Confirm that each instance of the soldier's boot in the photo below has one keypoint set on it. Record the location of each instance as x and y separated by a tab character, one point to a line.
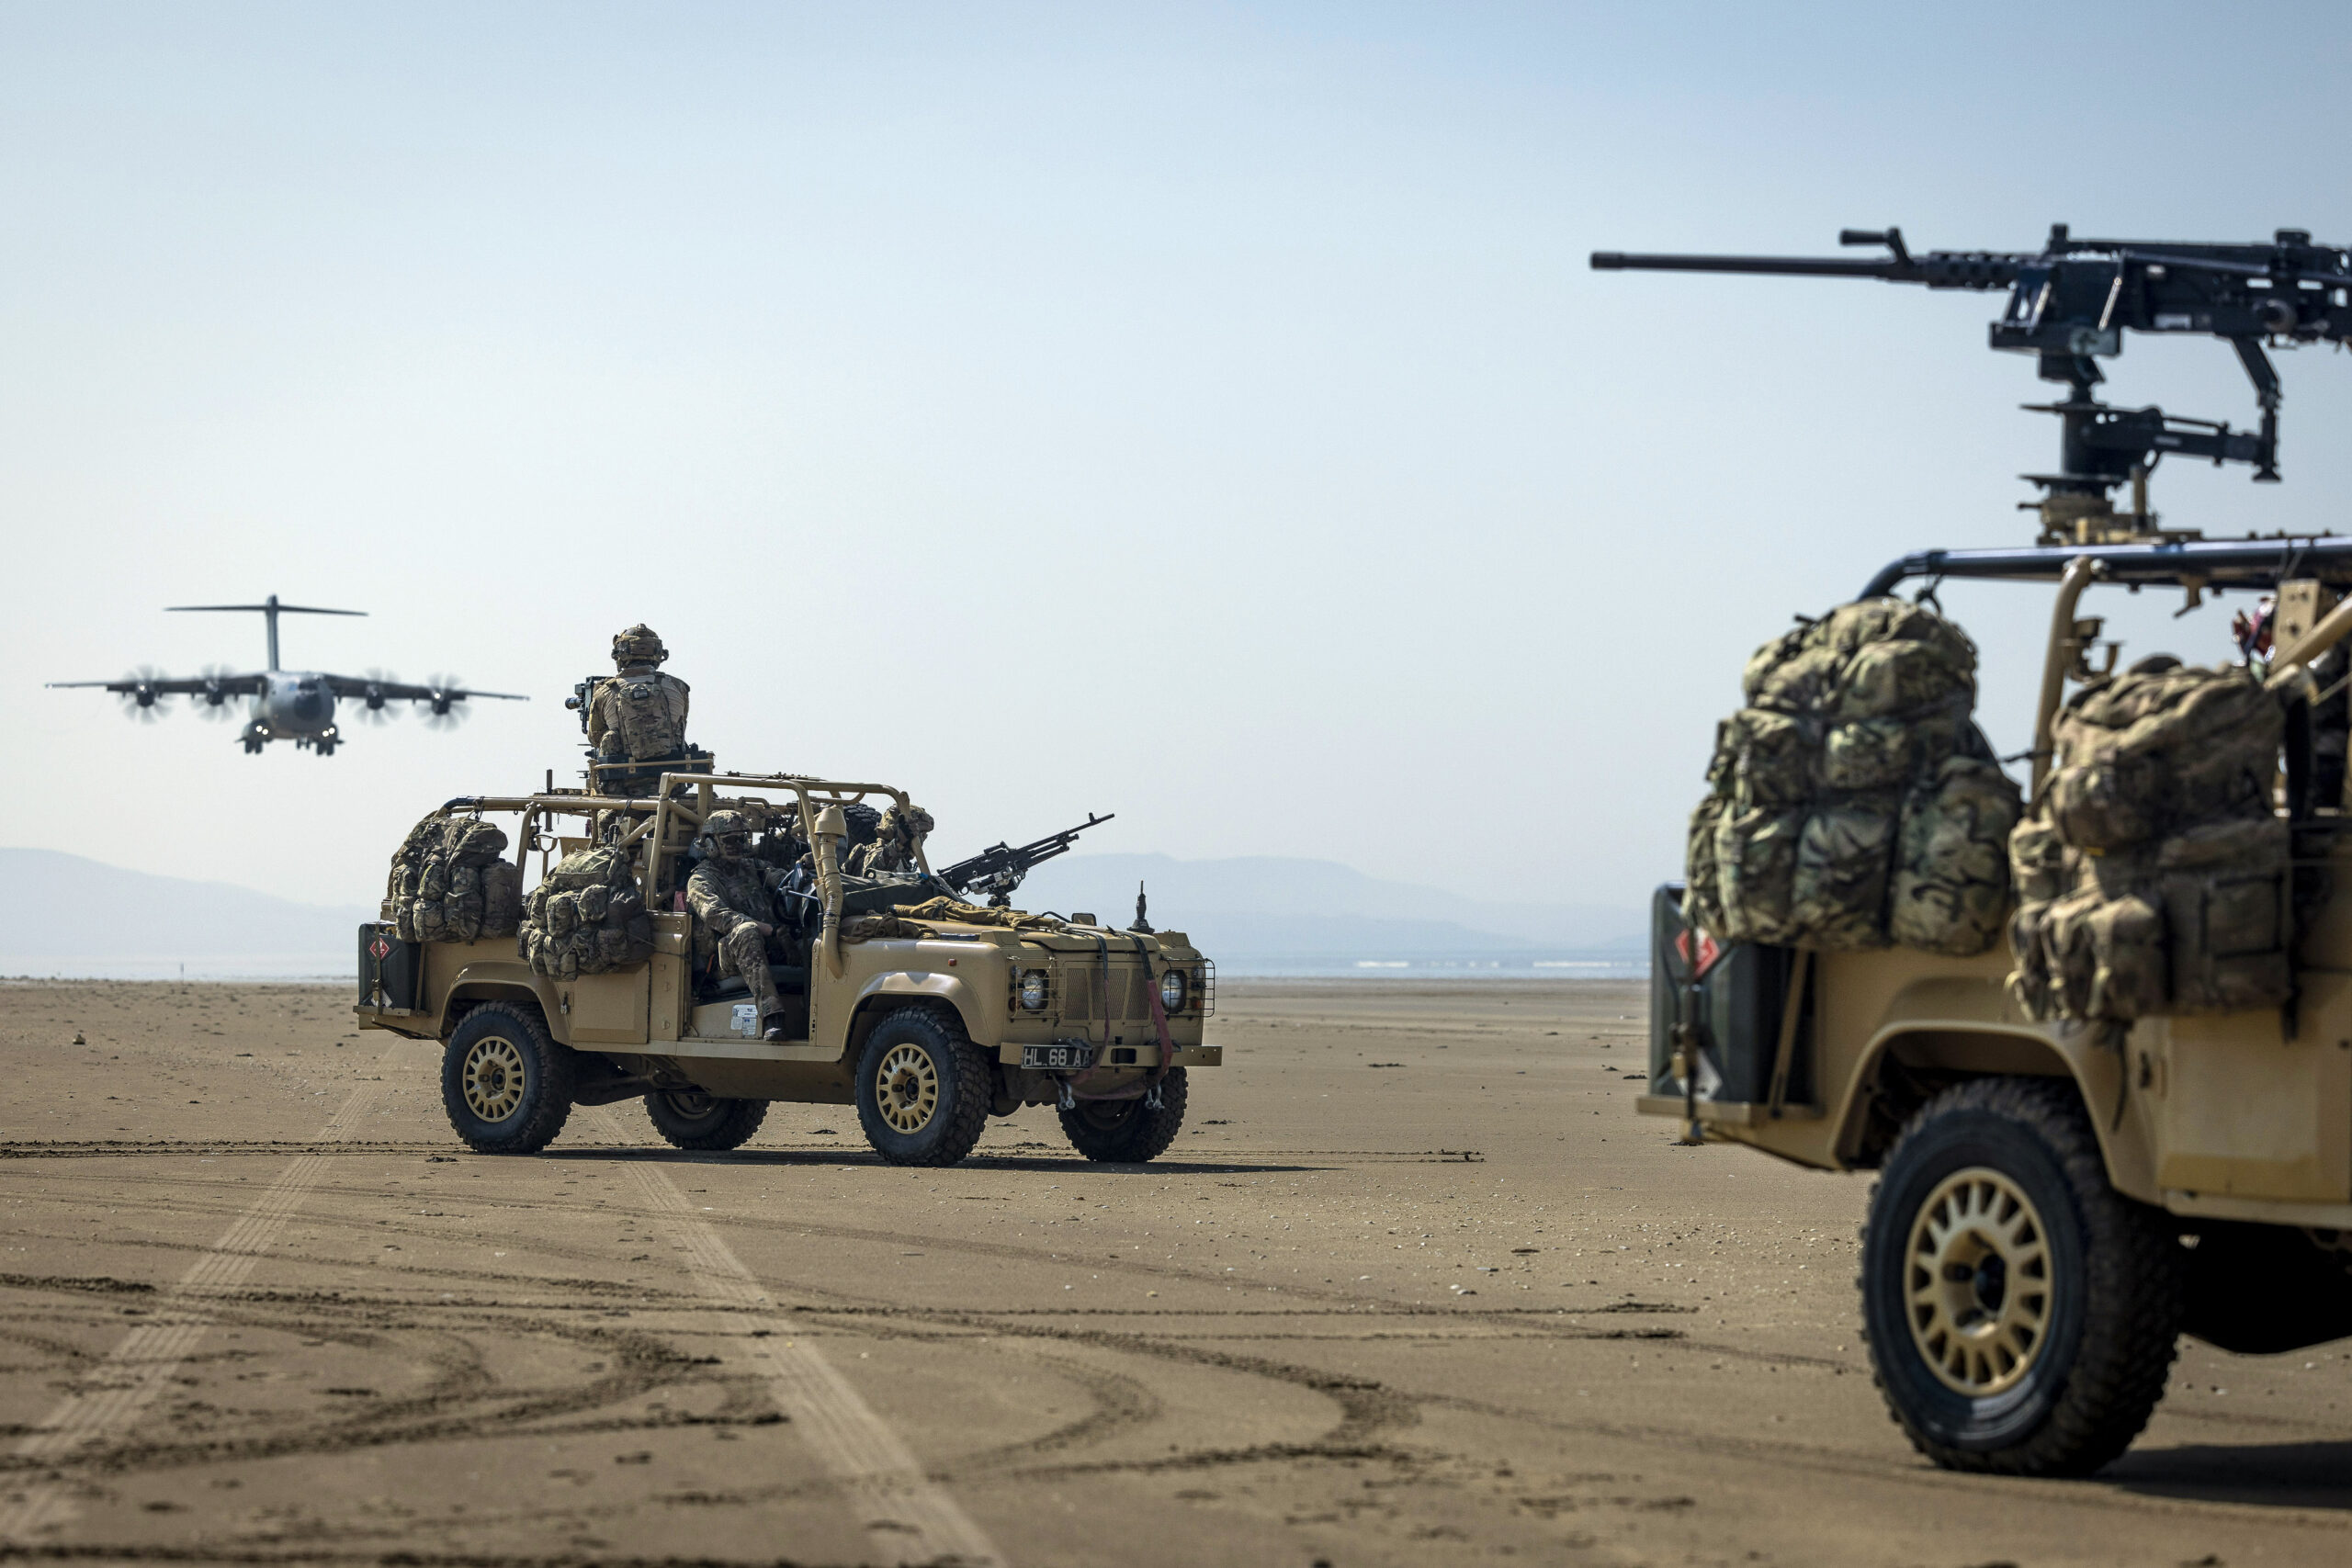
746	953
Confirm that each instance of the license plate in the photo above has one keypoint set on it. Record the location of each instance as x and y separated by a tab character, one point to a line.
1061	1058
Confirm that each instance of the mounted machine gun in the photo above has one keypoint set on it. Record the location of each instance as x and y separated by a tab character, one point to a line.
998	871
2071	304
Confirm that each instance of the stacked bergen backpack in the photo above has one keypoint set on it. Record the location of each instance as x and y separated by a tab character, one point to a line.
1853	803
586	918
448	882
2155	878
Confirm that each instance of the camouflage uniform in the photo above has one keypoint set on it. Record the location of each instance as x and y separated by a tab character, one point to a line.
893	849
635	653
733	896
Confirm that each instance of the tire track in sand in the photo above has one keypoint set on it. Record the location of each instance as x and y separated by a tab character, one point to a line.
873	1465
115	1392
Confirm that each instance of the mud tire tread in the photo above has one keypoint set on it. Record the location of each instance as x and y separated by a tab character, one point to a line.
732	1130
1143	1135
975	1087
2134	1273
553	1064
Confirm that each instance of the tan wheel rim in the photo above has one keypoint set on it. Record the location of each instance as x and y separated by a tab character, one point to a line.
906	1086
493	1078
1977	1282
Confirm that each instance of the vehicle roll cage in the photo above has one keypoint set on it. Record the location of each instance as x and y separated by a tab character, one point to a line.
670	820
2194	566
2260	564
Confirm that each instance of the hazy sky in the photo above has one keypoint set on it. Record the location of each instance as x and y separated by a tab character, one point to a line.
1202	413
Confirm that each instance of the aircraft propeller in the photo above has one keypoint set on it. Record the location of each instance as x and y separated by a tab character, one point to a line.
444	709
214	702
139	702
374	706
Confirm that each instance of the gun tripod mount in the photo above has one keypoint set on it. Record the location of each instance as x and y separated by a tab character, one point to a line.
2069	306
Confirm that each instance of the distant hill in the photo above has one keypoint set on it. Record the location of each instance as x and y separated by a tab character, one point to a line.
1262	903
67	907
64	907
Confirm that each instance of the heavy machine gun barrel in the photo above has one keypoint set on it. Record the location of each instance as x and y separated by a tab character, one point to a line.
998	871
1936	269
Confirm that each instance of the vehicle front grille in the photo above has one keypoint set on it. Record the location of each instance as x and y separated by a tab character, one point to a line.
1078	991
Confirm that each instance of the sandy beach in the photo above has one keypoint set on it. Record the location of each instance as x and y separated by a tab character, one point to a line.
1416	1286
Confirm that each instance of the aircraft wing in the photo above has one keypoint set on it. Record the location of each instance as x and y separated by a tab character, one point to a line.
407	691
187	686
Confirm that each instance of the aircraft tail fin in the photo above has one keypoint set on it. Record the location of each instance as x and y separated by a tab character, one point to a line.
272	609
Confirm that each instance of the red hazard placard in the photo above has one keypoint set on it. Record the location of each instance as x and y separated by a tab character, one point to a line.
380	948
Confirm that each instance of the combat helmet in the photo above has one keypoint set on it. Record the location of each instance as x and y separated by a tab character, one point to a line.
640	644
721	826
911	823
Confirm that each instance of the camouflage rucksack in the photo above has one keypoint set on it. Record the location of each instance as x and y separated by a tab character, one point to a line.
1853	802
2156	879
640	713
586	918
442	880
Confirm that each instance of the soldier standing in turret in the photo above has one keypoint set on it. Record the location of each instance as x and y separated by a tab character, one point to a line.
637	714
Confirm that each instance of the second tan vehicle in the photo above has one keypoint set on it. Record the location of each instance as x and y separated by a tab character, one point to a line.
2058	1201
928	1022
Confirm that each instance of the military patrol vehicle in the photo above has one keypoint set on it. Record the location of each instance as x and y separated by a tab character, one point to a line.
2132	1118
929	1014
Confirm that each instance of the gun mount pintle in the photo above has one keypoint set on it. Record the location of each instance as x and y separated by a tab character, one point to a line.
2070	305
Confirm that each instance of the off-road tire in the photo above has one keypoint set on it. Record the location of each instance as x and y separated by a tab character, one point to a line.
2113	1296
499	1040
1128	1132
927	1049
690	1119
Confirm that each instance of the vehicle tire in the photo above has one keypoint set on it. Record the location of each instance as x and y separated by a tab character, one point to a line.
922	1089
693	1120
506	1086
1128	1132
2021	1315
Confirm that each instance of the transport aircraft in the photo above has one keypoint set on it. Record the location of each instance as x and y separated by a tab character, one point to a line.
291	704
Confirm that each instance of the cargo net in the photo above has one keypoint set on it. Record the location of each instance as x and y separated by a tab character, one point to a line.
448	883
1853	803
2154	876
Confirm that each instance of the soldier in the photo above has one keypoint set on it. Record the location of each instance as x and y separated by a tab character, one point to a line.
733	897
638	714
893	849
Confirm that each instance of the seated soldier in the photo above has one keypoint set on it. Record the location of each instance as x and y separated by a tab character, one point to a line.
733	897
893	849
781	844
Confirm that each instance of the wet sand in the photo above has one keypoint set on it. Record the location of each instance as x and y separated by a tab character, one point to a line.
1414	1286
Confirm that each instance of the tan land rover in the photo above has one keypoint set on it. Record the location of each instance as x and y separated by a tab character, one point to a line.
928	1013
2067	1185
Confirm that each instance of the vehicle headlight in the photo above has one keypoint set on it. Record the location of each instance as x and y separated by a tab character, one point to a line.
1033	989
1171	992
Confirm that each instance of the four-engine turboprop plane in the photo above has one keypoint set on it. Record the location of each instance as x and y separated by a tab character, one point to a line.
292	704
